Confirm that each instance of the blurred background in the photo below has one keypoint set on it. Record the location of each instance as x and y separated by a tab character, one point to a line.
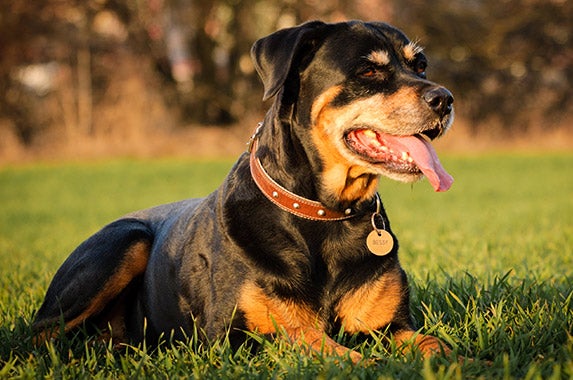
162	77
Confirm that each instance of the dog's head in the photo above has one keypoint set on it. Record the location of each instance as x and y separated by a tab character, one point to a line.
357	97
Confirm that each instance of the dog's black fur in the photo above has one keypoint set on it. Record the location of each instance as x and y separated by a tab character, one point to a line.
233	260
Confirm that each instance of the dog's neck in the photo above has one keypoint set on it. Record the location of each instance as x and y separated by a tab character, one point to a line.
285	199
288	201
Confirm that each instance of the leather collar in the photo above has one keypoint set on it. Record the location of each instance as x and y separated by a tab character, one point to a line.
286	200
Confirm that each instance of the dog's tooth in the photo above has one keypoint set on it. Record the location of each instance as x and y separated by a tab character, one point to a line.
405	156
370	133
384	148
410	159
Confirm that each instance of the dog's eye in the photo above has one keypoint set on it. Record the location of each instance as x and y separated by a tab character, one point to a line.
420	68
369	72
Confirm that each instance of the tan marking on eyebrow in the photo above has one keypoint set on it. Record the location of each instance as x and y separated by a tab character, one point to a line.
379	57
411	50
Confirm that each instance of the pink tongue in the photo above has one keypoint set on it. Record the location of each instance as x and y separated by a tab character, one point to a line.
425	158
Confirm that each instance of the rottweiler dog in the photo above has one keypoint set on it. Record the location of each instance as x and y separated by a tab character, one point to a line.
296	238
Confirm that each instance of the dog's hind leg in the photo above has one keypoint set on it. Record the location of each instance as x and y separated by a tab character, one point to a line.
92	282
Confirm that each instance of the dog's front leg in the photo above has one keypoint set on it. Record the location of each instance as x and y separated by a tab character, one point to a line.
428	345
268	315
317	341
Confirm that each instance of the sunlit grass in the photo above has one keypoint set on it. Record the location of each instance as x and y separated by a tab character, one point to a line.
490	262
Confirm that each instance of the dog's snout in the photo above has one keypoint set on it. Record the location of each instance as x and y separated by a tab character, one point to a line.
440	100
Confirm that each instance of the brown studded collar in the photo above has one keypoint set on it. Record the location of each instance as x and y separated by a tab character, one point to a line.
286	200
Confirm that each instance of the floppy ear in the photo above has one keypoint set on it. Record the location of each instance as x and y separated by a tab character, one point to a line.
273	55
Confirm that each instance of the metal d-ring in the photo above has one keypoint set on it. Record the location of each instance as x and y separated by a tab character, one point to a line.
377	213
254	137
378	204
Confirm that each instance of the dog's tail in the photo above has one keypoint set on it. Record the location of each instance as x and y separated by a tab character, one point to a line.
94	281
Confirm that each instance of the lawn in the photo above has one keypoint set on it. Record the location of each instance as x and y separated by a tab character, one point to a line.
490	263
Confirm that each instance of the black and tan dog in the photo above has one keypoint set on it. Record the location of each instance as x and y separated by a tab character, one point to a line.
295	237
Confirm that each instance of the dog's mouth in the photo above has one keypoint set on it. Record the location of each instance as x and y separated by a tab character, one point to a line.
408	156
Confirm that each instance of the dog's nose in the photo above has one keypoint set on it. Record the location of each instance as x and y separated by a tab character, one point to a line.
440	100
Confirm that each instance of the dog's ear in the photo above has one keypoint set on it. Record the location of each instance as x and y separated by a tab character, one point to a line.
273	55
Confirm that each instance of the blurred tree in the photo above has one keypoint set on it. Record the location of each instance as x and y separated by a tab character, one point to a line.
120	67
23	66
509	61
67	66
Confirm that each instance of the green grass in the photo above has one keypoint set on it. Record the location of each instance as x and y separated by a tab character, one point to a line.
490	262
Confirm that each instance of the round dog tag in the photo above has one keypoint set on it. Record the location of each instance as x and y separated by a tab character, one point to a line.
380	242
